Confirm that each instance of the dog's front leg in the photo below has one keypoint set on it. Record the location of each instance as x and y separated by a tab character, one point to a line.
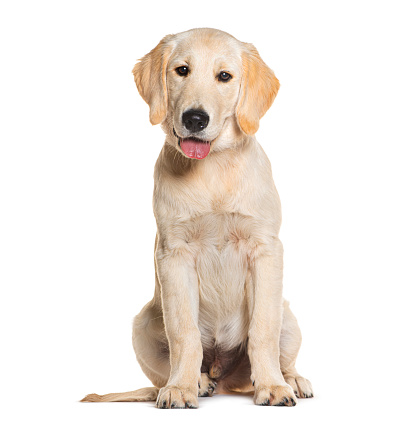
265	329
180	304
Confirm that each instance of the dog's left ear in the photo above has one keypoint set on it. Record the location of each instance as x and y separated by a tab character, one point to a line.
150	78
259	87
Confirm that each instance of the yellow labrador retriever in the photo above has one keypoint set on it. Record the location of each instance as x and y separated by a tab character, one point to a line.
217	321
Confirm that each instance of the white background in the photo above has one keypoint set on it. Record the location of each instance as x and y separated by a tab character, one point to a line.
77	229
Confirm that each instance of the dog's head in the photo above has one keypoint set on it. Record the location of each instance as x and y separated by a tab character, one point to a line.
204	85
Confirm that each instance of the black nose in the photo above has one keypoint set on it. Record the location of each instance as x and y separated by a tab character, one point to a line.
195	120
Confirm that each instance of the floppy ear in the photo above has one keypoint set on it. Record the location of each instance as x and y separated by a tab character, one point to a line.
150	78
259	87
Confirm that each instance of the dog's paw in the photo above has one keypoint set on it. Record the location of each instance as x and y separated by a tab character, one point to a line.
281	395
174	397
301	386
206	386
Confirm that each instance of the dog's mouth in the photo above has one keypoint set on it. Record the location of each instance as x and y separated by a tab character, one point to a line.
193	147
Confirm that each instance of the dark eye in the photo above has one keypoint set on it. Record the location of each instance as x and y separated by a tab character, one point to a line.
224	76
182	70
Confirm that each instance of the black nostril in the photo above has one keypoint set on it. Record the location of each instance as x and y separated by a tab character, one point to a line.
195	120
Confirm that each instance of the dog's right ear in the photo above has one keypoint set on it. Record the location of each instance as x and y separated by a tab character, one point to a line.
150	78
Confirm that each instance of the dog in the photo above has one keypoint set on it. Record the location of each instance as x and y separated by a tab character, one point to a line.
218	321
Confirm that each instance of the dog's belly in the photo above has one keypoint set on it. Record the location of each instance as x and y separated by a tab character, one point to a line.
223	330
222	269
223	311
221	246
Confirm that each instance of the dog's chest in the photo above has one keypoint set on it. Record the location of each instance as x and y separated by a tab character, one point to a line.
218	225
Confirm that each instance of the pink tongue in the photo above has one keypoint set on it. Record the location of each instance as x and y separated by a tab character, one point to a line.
195	149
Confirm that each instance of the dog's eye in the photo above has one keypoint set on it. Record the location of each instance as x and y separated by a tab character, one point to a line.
182	70
224	76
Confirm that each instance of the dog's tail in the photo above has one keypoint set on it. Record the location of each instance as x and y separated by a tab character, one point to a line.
143	394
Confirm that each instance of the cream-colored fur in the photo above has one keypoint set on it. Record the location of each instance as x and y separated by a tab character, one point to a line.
217	319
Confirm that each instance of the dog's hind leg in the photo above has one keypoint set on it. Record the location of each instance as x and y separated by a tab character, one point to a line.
151	348
206	386
290	342
151	345
152	351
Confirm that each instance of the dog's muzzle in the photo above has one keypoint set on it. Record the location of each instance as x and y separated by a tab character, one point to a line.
193	147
